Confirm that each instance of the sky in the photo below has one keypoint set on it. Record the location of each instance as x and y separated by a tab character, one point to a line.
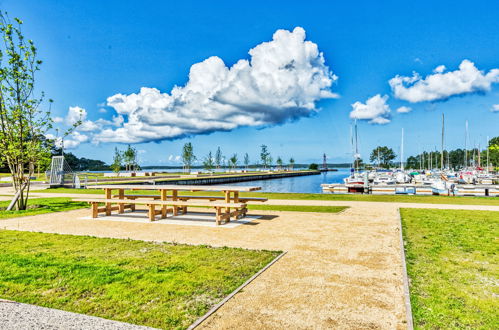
292	75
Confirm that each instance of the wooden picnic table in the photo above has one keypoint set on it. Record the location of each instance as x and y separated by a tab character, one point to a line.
231	193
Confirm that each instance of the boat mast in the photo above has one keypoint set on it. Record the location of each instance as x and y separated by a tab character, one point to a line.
487	155
466	146
402	152
356	147
442	146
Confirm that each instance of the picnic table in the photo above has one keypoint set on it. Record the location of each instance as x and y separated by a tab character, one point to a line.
169	196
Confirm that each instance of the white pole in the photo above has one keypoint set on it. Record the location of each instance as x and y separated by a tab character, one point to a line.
487	145
402	152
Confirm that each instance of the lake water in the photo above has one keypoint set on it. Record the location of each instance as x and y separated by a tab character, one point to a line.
298	184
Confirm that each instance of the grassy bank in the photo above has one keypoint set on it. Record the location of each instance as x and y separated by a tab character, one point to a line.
298	208
460	200
40	206
155	284
452	260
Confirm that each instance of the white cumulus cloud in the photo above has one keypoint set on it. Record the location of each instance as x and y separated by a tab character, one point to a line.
375	110
441	85
282	81
495	108
404	109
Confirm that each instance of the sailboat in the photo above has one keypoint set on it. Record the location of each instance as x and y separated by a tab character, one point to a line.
355	177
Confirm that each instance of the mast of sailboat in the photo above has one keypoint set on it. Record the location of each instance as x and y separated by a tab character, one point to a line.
487	145
356	147
351	144
442	146
466	146
402	152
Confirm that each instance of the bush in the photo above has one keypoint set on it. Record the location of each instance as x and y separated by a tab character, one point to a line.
313	166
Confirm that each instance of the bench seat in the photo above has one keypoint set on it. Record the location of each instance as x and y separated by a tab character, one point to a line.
240	208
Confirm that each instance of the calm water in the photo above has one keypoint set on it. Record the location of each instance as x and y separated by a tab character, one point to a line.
298	184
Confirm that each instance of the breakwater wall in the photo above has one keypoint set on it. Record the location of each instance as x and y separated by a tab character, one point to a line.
229	179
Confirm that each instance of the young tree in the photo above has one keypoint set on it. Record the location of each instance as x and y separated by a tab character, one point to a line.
264	155
270	160
130	158
291	163
23	124
385	156
117	161
279	162
218	158
208	162
246	160
188	156
233	161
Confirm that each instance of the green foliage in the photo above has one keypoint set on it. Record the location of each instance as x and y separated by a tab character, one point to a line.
233	161
452	265
218	158
493	148
313	166
188	156
208	162
130	158
382	155
155	284
246	160
117	161
41	206
23	124
291	162
279	162
265	156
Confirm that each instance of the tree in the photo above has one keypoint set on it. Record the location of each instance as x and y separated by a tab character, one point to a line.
385	156
291	163
218	158
412	162
23	124
264	155
313	166
208	162
493	148
188	156
233	161
130	158
117	161
246	160
279	162
270	160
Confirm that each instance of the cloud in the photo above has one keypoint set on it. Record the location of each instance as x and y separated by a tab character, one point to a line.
375	110
404	109
102	110
57	120
495	108
71	141
282	81
442	85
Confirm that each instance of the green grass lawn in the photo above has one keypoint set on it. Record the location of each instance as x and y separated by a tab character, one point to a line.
155	284
461	200
298	208
40	206
453	266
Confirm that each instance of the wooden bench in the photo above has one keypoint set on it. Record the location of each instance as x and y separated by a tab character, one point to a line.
223	212
185	198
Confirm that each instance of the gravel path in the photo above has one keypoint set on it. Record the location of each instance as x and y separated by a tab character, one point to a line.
14	315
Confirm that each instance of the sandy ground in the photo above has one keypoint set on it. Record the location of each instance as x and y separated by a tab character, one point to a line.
341	270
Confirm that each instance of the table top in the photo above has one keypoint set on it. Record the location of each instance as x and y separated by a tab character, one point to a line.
176	187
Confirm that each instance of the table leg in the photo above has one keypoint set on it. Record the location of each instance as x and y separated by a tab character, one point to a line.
174	198
108	205
121	195
163	207
227	200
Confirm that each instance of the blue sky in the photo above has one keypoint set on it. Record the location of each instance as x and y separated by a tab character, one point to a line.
93	50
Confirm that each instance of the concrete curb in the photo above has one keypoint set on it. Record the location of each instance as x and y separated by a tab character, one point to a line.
407	296
233	293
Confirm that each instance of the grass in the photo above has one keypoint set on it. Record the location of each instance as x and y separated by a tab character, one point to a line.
41	206
452	260
460	200
154	284
298	208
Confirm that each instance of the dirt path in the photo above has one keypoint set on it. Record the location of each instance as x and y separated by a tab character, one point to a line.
341	270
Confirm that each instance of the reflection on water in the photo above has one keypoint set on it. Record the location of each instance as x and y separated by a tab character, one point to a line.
298	184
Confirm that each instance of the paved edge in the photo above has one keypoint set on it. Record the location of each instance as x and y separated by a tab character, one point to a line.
407	295
233	293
